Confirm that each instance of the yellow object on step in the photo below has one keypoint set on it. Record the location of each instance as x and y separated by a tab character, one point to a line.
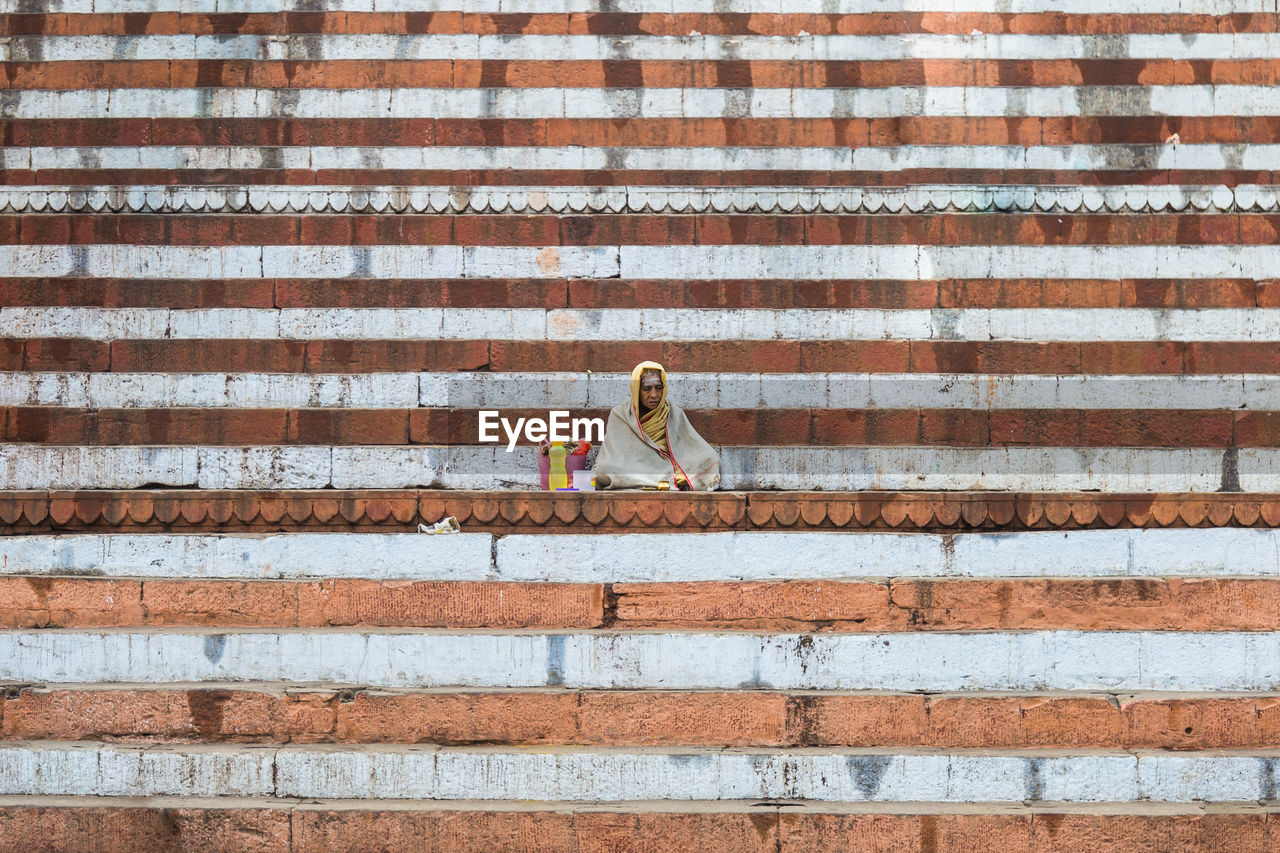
558	477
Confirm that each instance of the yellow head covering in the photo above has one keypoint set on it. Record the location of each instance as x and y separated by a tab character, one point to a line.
654	423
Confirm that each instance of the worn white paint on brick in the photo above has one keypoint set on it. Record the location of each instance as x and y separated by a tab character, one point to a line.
718	776
254	262
685	48
652	557
1083	157
617	199
845	777
822	7
843	468
210	390
280	467
913	262
74	467
427	773
474	660
402	556
759	555
887	102
660	324
1004	468
856	390
28	466
604	390
1022	661
120	771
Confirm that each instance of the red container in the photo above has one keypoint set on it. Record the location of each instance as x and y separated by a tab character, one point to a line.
571	464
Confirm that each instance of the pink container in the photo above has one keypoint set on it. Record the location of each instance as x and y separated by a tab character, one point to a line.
571	464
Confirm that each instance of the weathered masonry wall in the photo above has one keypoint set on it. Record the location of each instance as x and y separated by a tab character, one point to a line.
976	299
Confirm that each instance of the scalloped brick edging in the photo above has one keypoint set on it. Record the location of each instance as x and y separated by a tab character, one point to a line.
637	199
505	512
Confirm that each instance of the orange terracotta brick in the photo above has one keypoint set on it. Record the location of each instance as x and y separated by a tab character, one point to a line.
856	721
1017	722
38	602
606	832
458	718
668	719
1206	833
245	716
909	833
449	604
168	715
53	829
1147	604
1206	723
431	831
747	606
259	604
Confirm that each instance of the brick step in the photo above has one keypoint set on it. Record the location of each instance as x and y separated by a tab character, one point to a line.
181	294
502	512
63	70
1143	132
841	468
373	355
546	774
188	826
277	715
825	606
642	229
599	19
777	427
927	662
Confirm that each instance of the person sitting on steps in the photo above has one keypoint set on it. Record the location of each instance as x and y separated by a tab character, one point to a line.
649	441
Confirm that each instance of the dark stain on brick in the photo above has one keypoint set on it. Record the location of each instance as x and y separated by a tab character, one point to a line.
764	823
206	708
135	23
215	646
555	660
417	23
623	74
928	833
867	772
493	73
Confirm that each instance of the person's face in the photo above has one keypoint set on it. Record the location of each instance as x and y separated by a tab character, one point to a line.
650	390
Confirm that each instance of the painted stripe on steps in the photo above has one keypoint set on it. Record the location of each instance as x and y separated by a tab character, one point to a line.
888	102
313	47
829	606
924	358
637	324
751	427
275	714
427	157
675	23
539	74
711	391
911	662
423	773
346	826
1186	231
547	7
1025	469
652	557
352	199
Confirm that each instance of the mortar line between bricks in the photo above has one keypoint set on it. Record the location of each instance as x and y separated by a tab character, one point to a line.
638	806
336	688
641	749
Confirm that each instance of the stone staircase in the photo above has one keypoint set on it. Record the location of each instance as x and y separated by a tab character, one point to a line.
976	300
